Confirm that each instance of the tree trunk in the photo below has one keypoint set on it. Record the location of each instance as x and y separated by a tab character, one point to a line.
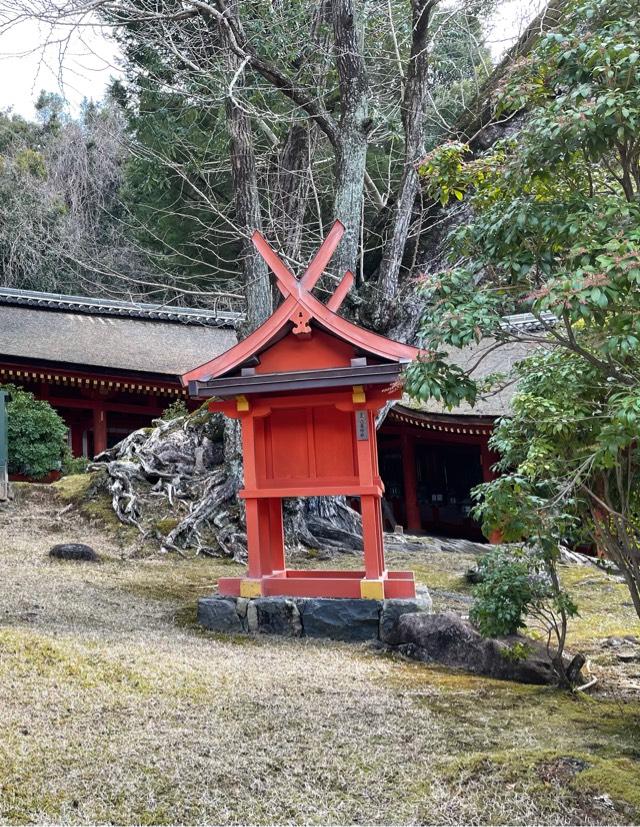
413	107
247	207
353	132
257	285
290	190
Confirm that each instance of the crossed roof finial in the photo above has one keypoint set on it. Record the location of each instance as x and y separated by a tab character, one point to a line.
289	285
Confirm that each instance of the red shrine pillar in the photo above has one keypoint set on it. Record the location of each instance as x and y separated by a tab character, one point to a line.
414	520
370	504
265	530
99	430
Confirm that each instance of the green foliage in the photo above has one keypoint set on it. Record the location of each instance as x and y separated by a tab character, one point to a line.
74	465
175	410
520	587
556	232
37	435
505	593
516	584
31	162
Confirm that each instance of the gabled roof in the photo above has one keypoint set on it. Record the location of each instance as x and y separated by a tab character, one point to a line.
300	311
36	328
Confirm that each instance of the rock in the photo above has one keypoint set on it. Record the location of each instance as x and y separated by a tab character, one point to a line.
252	617
219	614
74	551
628	655
277	616
447	639
392	611
340	618
612	642
574	558
473	575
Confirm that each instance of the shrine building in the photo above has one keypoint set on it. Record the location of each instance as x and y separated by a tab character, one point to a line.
431	457
107	367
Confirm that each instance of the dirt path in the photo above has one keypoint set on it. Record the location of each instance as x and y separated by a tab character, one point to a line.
115	707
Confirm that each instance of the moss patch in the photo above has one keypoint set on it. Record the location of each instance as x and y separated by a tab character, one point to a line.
542	742
74	487
603	602
166	525
33	657
172	578
87	492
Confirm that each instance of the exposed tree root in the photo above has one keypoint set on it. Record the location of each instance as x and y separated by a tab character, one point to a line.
177	482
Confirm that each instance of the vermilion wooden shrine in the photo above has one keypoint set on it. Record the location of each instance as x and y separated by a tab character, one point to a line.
307	386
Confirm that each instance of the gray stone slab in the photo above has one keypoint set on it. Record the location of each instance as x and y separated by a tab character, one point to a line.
278	616
219	614
340	619
392	611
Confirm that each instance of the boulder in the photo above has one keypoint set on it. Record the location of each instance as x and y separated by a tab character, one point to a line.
73	551
277	616
340	618
449	640
219	614
392	611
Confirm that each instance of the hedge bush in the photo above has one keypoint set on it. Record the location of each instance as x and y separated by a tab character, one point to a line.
37	435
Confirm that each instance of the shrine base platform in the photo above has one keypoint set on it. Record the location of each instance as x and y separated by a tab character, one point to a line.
321	583
346	619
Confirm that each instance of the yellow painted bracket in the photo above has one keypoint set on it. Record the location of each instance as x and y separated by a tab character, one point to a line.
250	588
242	403
358	394
372	589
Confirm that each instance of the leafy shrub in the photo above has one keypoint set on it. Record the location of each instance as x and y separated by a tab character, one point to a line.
74	465
520	585
37	435
505	594
175	410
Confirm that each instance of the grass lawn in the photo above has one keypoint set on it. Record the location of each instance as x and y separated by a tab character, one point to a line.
116	707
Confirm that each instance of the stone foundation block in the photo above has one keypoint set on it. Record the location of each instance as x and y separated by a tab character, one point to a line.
340	618
219	614
278	616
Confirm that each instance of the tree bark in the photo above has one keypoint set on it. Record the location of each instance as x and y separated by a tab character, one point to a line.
353	131
247	207
257	287
290	190
413	107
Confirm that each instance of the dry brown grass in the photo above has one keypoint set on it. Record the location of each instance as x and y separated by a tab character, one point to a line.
114	707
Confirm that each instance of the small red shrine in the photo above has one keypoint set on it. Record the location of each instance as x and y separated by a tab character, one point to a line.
307	386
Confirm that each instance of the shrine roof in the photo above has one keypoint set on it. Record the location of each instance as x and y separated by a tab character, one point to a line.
299	313
76	337
218	316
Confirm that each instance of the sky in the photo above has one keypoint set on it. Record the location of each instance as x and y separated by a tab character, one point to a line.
90	59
